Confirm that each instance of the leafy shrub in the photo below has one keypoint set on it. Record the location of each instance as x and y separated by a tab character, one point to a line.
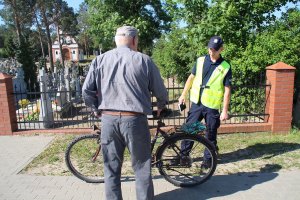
32	117
23	103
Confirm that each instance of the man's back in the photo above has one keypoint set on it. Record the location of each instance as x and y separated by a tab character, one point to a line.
126	78
120	83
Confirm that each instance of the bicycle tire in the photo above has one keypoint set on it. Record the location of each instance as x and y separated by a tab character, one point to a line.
187	171
79	158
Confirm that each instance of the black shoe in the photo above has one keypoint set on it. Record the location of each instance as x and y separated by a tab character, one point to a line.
206	164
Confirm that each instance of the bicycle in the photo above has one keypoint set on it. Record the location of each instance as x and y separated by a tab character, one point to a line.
181	168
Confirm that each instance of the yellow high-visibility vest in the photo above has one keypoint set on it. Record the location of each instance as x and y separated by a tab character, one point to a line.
213	92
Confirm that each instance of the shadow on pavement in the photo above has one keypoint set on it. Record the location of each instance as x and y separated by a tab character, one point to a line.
266	151
221	186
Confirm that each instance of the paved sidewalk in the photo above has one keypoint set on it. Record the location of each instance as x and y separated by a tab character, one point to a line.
17	151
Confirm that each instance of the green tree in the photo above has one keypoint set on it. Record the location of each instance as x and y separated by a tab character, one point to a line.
172	53
10	47
149	17
254	38
44	9
23	55
238	22
19	14
7	44
55	13
83	25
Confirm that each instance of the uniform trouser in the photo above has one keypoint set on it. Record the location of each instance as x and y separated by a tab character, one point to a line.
132	132
196	113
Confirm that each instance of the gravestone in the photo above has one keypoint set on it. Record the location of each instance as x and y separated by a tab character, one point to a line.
55	77
78	88
46	112
67	82
19	85
61	96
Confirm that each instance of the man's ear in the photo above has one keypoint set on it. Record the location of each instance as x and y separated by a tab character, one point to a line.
135	43
221	49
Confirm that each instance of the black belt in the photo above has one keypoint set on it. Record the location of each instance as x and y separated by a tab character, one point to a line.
120	113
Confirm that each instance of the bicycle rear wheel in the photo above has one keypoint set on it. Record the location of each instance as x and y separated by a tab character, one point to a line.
84	158
185	169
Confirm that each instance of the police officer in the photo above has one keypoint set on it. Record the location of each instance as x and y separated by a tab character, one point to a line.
119	84
209	85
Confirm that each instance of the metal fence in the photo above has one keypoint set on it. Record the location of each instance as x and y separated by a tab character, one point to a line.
296	103
67	109
247	105
65	114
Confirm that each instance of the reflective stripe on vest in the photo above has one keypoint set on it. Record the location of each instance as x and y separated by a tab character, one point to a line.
213	95
197	82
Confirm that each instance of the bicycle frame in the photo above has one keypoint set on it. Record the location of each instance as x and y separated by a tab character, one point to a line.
158	134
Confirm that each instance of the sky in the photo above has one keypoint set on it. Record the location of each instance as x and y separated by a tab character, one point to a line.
74	3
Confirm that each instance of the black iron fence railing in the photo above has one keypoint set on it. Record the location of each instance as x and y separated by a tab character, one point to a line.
66	109
296	104
53	109
248	104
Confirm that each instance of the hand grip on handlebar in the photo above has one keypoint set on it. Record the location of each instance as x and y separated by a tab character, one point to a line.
164	113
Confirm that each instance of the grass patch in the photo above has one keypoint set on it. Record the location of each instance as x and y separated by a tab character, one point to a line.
51	160
239	153
258	152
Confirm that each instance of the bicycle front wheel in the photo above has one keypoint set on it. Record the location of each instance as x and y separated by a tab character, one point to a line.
182	167
84	158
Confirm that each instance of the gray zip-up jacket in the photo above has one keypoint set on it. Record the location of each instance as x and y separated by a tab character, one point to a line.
123	79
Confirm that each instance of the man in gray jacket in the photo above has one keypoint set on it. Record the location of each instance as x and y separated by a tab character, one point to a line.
119	85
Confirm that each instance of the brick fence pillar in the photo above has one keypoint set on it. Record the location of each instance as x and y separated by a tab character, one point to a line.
280	99
8	119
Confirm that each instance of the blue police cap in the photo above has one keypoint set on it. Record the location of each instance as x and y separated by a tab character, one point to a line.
215	42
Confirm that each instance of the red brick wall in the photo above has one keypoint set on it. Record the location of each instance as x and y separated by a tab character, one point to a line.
280	102
8	119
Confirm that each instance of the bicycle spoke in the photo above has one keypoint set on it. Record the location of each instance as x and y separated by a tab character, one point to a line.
184	175
174	145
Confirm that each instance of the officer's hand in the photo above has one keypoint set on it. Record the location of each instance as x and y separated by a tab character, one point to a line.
181	99
224	116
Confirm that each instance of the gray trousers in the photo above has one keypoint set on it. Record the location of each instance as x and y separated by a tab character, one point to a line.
132	132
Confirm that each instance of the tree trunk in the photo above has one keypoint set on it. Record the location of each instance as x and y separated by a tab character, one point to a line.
40	35
85	46
16	19
48	38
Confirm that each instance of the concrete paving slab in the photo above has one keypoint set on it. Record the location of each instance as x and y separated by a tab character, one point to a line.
17	151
